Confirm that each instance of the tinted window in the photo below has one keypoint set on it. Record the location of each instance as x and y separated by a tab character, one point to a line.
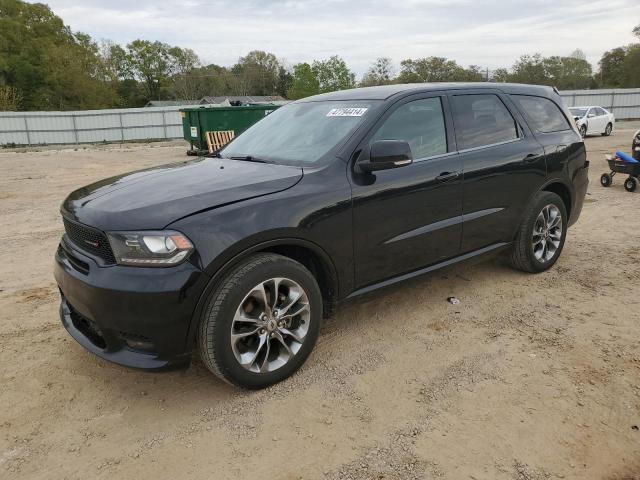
599	111
482	120
300	133
541	113
421	123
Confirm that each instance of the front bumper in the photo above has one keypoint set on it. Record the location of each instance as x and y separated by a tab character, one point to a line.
137	317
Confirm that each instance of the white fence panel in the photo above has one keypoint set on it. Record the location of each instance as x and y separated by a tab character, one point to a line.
153	123
623	102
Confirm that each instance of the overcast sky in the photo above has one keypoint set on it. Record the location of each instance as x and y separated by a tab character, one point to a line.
487	33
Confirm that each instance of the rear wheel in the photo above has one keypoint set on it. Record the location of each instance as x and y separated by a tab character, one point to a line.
630	184
261	324
541	236
608	130
605	180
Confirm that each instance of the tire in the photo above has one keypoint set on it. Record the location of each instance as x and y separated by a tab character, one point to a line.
235	307
608	129
583	131
524	255
630	184
605	180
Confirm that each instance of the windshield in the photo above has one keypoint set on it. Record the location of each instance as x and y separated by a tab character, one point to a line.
299	133
578	112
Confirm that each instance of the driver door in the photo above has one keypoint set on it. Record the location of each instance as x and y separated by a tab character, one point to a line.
411	216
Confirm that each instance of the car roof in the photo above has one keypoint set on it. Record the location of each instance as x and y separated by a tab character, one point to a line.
588	106
386	91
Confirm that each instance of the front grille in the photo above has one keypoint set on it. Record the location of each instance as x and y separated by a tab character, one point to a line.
90	240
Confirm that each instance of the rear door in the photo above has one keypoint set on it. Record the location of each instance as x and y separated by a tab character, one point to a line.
503	166
409	217
562	144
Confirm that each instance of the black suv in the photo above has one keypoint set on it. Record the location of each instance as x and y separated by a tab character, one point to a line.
240	254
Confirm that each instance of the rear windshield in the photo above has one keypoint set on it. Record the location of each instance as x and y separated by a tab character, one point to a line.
300	133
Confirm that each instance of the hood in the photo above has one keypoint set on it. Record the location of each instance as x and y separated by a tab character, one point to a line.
153	198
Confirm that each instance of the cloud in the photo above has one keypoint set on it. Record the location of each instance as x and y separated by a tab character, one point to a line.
487	33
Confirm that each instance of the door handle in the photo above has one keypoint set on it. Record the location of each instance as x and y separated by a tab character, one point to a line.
446	176
530	158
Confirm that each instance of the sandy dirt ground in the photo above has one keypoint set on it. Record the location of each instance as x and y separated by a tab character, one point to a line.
530	377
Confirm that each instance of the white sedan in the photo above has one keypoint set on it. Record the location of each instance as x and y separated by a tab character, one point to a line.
593	120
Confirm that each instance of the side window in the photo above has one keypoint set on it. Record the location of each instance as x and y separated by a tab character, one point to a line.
482	120
541	113
421	124
592	111
599	111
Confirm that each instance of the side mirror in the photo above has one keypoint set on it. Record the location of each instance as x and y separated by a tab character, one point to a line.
591	115
386	154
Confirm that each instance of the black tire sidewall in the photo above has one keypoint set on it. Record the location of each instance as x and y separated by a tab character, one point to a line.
583	131
608	129
605	180
543	199
630	184
220	327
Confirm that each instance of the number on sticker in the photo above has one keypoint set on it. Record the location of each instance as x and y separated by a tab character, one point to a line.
347	112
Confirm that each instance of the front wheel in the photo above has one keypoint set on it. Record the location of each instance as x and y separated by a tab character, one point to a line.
262	322
606	180
608	130
583	131
541	235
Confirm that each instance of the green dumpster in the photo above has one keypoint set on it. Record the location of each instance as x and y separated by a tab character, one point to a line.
198	120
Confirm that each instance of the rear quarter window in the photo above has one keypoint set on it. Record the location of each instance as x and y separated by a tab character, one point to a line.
541	113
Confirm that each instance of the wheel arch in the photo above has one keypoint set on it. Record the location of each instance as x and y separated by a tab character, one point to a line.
563	191
309	254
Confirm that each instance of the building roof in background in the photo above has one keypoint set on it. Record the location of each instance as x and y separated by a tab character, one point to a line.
171	103
242	99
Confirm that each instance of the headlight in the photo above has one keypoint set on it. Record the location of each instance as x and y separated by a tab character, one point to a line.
149	249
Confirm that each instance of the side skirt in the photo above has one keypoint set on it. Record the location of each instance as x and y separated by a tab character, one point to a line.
400	278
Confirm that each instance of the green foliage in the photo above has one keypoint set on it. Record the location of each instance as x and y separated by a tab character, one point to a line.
320	77
436	69
258	72
46	66
566	73
52	67
381	72
620	67
333	74
305	82
10	99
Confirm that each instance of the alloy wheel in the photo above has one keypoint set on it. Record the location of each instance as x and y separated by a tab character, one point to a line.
547	233
270	325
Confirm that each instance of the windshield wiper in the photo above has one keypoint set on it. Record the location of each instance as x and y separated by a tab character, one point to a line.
249	158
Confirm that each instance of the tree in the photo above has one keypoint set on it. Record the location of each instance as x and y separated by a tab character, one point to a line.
285	81
436	69
613	67
500	75
636	30
381	72
10	99
51	66
150	63
258	72
305	82
333	74
529	69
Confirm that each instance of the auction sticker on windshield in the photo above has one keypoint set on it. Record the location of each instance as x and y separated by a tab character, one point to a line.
347	112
